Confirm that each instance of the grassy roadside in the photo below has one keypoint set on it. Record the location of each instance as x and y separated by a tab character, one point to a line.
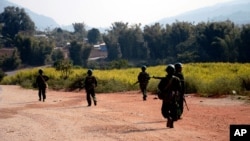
206	79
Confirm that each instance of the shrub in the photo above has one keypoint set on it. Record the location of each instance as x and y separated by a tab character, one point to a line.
2	74
191	85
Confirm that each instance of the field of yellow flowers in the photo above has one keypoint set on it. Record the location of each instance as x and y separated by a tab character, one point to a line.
203	78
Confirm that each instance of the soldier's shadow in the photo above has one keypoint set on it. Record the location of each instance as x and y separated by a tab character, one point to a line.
145	130
150	122
148	129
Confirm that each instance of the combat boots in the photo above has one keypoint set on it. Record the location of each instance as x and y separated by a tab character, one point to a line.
95	102
170	123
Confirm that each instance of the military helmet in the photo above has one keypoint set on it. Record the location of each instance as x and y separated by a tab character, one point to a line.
143	67
40	71
89	72
170	69
178	65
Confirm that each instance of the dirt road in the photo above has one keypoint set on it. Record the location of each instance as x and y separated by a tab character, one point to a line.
123	116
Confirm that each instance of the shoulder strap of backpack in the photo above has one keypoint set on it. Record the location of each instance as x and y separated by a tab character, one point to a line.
42	78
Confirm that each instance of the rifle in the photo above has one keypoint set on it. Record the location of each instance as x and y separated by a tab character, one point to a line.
156	77
136	82
185	102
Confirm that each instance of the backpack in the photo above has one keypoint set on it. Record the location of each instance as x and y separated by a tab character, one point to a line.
165	89
90	82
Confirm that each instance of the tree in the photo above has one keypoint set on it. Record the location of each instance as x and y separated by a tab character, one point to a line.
61	37
111	40
153	36
80	31
65	67
94	36
34	51
180	39
57	54
132	44
244	48
15	20
12	62
218	41
79	53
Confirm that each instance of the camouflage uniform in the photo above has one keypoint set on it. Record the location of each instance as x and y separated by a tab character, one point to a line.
179	74
90	83
42	85
143	79
170	87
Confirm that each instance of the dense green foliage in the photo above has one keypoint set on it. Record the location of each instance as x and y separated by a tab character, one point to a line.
206	79
34	51
79	53
179	42
15	20
64	66
79	31
10	63
94	36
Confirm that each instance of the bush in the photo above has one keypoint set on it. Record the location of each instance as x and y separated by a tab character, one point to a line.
191	85
245	82
2	74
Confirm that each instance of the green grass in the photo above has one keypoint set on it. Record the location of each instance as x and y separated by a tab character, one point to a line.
206	79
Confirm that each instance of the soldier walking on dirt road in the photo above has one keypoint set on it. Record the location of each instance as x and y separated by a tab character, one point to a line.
179	74
143	79
41	82
169	87
90	83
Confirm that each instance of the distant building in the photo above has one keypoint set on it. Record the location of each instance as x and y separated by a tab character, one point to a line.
40	36
99	51
101	47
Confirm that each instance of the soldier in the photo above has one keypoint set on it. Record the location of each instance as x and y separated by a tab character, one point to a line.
143	79
41	82
90	83
179	74
169	87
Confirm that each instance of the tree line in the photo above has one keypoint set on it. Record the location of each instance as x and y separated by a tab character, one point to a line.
181	41
151	45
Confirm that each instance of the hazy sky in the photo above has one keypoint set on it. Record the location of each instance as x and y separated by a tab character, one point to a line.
102	13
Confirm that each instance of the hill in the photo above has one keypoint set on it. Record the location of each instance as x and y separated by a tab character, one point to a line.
236	11
42	22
